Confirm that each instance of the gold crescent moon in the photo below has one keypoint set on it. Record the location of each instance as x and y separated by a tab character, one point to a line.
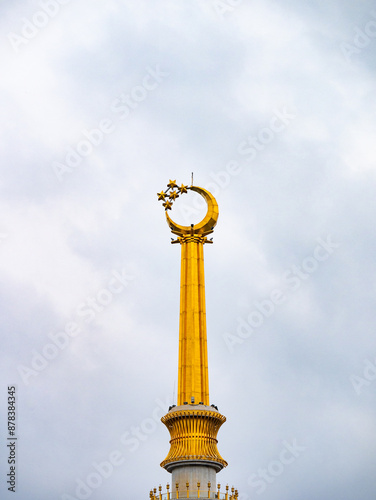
208	222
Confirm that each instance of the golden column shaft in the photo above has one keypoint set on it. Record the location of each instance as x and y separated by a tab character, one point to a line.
193	380
193	424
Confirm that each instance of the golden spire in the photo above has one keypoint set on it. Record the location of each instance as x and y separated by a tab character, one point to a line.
193	380
193	424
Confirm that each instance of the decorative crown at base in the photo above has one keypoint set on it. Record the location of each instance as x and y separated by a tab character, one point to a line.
193	437
200	492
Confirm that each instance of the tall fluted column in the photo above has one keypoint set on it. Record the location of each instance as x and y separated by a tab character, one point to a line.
193	424
193	381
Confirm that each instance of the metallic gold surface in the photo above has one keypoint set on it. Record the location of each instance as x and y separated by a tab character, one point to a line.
193	437
203	490
193	380
208	223
193	424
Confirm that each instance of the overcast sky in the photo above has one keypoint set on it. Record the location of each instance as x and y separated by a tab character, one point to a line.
272	106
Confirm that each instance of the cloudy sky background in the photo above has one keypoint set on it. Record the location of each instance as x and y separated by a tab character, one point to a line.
224	73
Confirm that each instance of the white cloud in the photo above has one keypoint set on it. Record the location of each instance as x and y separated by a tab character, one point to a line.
227	76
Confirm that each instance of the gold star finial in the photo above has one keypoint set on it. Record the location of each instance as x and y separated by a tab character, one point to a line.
167	204
173	195
161	196
172	192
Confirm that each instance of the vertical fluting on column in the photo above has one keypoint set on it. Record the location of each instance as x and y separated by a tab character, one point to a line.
193	458
193	380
